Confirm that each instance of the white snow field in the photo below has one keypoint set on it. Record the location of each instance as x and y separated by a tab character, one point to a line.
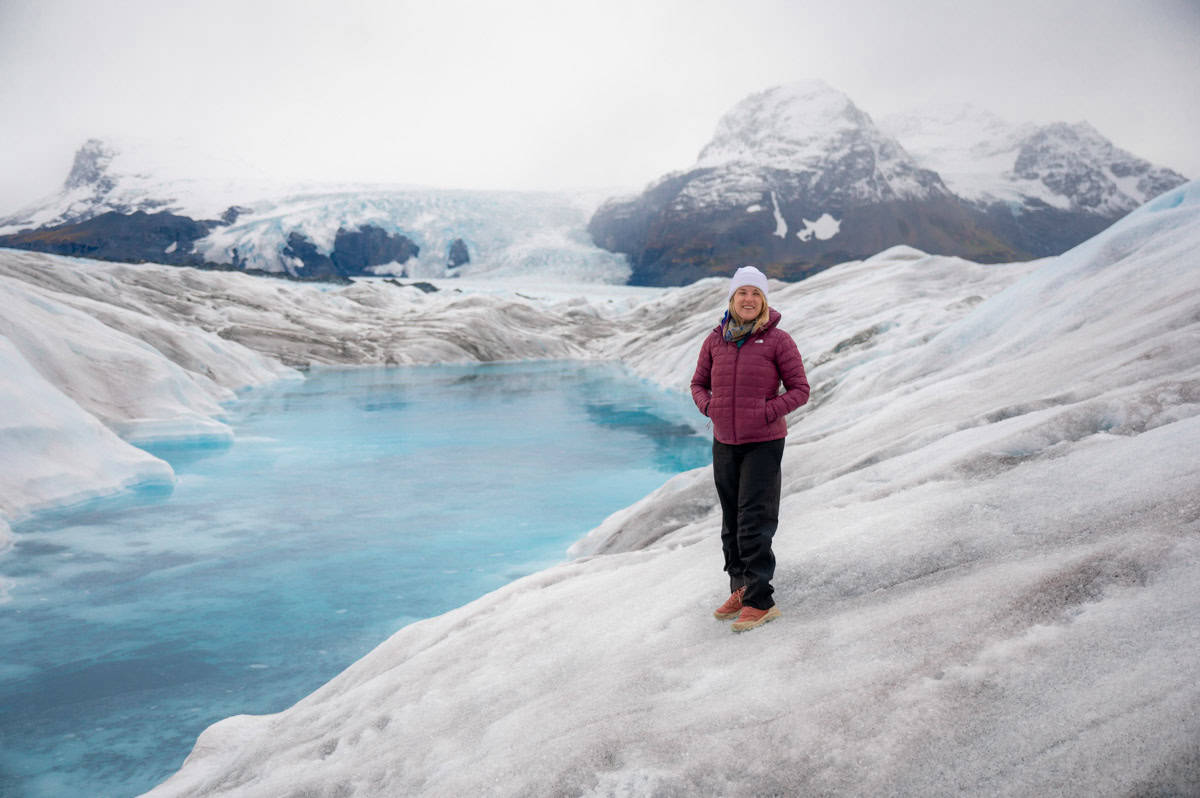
989	553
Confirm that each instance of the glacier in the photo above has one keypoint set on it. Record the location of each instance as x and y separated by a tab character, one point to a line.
989	545
508	234
534	235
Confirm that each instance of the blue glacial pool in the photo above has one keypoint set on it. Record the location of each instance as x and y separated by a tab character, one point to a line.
349	505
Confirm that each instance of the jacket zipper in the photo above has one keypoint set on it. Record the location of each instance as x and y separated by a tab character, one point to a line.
737	357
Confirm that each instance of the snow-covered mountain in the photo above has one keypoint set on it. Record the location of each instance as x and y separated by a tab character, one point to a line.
816	137
797	178
1050	185
138	174
989	551
984	159
136	200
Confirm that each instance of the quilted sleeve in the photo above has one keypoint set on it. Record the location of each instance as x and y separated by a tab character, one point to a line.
702	378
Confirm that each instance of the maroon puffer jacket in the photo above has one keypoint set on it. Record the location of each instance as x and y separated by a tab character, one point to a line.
738	387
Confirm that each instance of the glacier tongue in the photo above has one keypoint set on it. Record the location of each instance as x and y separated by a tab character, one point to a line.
530	235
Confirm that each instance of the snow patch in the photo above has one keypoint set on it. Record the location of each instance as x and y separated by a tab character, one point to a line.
822	228
780	225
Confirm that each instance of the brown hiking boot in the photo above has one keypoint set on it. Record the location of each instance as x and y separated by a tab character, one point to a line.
732	606
752	618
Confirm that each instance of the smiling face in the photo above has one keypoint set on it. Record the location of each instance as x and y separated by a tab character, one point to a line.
747	303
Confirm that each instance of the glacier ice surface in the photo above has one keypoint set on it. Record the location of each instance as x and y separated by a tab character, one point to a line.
990	537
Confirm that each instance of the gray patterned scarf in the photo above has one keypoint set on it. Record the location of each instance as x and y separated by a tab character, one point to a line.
736	331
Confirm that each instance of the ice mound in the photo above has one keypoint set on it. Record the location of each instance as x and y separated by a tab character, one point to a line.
53	451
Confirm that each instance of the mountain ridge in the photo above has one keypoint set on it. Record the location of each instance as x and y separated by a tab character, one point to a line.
795	179
788	158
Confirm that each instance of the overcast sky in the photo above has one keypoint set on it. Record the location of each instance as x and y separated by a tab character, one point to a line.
533	94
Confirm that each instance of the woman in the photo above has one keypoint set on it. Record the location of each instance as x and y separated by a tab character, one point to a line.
736	384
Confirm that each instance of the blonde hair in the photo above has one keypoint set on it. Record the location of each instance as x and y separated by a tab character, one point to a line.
764	315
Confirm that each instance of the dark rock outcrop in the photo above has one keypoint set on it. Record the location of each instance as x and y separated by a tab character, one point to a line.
141	237
232	213
313	264
356	252
137	237
424	287
458	254
90	167
1039	230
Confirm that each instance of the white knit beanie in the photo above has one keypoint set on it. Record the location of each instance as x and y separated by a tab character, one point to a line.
748	275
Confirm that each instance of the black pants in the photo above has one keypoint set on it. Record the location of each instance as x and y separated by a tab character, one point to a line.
748	485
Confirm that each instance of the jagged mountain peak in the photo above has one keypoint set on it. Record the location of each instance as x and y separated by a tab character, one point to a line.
803	141
166	158
797	178
783	125
1077	163
127	174
90	165
1065	166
